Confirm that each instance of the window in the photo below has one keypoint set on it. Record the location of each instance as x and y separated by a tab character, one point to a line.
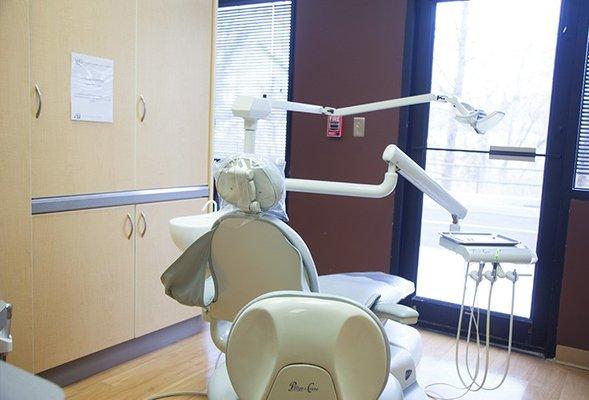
582	166
509	69
253	57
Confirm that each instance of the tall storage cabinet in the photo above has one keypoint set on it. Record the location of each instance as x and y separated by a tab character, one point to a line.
84	278
15	195
173	71
74	157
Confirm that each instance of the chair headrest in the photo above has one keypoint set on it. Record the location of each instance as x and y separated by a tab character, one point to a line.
251	183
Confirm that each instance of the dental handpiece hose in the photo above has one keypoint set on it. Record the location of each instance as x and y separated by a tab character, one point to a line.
513	277
477	276
492	279
458	331
474	376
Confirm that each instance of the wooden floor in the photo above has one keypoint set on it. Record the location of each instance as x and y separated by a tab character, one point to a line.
187	364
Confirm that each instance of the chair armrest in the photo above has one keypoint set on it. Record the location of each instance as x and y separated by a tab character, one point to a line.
396	312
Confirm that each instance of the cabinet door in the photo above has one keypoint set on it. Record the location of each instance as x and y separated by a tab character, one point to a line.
155	252
83	283
15	196
174	57
73	157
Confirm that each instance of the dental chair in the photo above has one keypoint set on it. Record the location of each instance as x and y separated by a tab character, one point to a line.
290	345
287	333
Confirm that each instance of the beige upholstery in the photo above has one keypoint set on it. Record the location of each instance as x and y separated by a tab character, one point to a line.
250	257
285	345
254	256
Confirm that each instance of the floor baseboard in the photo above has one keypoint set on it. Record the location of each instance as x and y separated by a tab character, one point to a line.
92	364
572	357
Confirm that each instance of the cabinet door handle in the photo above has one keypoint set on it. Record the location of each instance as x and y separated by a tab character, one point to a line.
40	101
142	100
142	217
132	226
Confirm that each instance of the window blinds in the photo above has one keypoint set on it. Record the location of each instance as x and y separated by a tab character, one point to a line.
582	165
253	54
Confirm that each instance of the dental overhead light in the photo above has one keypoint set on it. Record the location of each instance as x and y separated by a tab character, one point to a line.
478	119
252	109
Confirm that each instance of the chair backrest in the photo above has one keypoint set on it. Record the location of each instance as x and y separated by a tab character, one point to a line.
293	345
252	255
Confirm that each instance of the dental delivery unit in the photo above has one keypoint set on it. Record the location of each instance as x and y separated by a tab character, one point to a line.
287	333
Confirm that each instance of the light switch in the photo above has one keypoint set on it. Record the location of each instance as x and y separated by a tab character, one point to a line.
359	126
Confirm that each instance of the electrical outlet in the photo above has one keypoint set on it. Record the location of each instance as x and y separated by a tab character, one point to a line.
359	126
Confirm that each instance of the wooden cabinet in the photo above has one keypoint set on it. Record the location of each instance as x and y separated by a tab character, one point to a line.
77	282
83	274
96	277
162	50
174	57
15	196
155	251
73	157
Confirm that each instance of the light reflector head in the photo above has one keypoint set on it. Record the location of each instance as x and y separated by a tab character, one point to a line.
485	122
479	120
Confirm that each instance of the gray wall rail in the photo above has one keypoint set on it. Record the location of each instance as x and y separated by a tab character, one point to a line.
46	205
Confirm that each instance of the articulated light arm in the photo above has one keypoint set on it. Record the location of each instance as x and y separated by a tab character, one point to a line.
411	171
252	109
370	107
399	163
345	188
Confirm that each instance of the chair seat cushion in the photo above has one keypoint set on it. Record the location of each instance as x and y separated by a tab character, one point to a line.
367	287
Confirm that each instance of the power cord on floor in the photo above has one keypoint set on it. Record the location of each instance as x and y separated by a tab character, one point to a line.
184	393
177	394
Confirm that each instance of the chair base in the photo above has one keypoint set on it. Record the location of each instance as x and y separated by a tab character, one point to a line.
406	348
220	388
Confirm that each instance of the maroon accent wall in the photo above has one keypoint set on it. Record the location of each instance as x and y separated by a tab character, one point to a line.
346	52
573	317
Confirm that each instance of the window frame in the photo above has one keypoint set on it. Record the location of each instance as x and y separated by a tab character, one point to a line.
539	333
